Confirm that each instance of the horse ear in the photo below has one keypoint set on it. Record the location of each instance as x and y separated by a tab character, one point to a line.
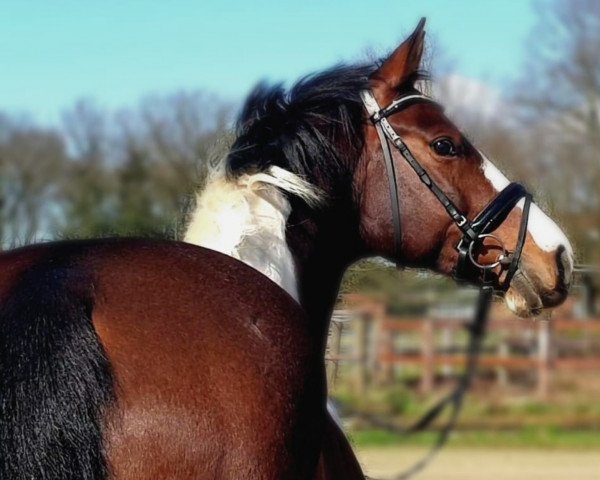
404	61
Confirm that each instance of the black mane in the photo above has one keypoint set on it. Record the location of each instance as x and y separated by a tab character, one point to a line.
311	130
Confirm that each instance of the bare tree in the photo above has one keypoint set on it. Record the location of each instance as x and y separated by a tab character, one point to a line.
31	160
131	171
171	138
107	173
559	99
181	130
88	181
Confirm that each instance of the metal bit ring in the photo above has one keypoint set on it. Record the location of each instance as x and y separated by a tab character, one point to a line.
500	257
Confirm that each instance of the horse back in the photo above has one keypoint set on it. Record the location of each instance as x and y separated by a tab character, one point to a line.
211	365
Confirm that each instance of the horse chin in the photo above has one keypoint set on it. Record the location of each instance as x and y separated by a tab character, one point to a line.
522	298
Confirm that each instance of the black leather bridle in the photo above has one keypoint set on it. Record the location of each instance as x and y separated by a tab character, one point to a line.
473	231
467	268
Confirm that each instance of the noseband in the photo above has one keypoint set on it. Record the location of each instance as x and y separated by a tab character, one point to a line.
475	231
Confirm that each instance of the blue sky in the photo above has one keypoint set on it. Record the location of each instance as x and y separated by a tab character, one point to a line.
116	51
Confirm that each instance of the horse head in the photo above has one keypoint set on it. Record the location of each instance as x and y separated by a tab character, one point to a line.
468	179
355	161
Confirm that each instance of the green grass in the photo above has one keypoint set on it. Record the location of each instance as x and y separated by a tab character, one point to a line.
479	414
489	420
542	437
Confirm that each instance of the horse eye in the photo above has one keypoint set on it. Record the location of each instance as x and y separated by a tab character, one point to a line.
444	147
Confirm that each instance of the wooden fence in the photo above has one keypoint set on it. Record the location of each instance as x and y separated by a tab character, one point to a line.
378	345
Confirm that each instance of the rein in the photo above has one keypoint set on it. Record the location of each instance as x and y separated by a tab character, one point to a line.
454	401
467	269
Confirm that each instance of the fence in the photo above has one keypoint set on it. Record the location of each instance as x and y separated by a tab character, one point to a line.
378	346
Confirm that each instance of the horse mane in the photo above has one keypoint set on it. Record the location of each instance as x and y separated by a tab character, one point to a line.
308	130
312	130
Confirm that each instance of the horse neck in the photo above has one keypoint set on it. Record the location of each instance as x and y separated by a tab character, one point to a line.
304	250
323	244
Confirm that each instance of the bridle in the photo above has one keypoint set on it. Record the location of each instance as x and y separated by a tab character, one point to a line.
467	269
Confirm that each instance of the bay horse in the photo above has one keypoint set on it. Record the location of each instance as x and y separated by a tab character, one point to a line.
140	359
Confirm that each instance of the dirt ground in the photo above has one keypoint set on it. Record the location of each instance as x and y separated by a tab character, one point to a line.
484	464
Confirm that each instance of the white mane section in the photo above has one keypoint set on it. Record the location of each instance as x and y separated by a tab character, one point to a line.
246	219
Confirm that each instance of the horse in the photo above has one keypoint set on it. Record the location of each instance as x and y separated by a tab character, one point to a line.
145	359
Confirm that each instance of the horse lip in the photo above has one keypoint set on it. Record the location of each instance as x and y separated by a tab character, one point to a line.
526	289
545	297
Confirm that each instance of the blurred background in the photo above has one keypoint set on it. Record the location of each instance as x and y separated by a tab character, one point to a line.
109	110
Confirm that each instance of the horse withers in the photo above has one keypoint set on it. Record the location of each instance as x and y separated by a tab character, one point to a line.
133	359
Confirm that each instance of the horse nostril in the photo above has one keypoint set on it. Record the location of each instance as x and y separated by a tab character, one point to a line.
553	298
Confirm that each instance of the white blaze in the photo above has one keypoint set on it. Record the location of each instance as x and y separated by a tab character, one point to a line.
546	234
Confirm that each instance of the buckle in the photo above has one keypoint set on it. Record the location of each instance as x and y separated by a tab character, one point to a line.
462	221
377	116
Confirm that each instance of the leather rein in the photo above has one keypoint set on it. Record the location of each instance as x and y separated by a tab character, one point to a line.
467	268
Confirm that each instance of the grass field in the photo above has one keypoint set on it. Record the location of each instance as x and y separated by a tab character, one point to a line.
484	463
546	438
